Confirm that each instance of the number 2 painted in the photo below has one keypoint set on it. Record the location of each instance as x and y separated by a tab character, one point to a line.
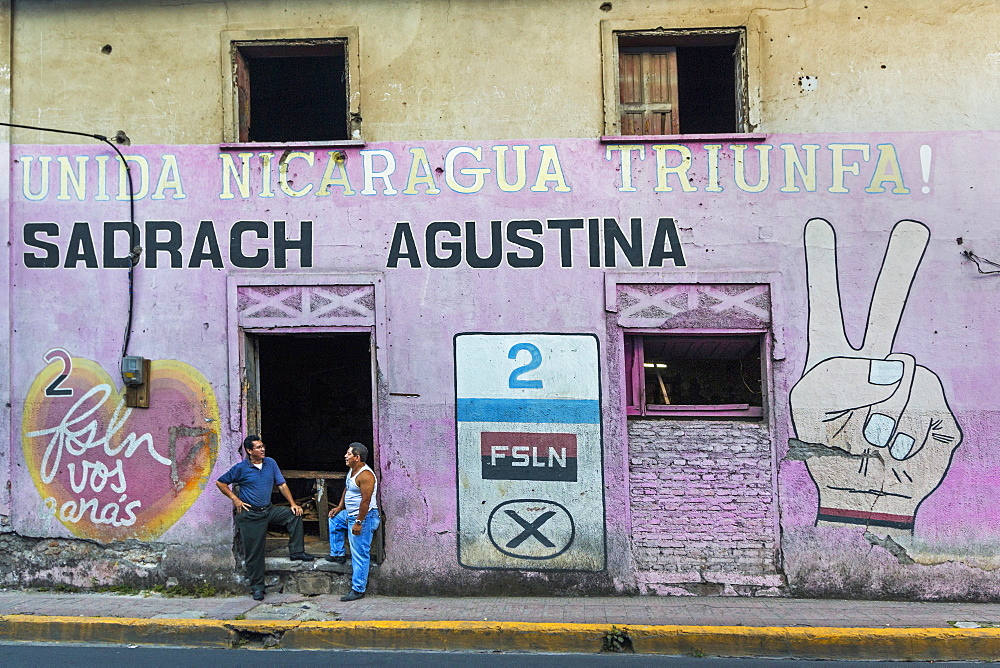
515	380
54	389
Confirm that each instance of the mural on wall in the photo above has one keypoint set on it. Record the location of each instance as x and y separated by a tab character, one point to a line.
530	481
873	426
533	236
109	472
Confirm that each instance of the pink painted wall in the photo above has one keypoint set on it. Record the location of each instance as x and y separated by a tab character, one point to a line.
740	214
5	346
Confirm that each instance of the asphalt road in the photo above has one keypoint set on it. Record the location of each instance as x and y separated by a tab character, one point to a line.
85	656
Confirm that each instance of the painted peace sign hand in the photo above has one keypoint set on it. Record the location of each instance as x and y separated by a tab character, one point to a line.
884	426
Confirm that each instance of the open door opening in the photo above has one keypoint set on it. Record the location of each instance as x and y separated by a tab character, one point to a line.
309	396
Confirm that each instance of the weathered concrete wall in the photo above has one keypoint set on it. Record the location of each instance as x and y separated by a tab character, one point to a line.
896	517
703	508
949	554
737	245
87	564
435	69
866	564
5	464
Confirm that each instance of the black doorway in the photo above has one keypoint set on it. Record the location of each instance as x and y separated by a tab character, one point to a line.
315	397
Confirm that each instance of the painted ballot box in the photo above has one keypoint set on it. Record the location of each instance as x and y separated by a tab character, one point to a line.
530	470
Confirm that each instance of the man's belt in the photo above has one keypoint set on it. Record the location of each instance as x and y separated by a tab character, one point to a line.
258	509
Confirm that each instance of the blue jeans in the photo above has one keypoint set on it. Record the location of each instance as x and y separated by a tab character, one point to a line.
361	546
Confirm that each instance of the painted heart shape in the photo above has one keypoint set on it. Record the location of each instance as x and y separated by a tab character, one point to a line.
111	473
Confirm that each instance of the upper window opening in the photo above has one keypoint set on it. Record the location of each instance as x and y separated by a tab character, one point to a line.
695	375
680	82
292	91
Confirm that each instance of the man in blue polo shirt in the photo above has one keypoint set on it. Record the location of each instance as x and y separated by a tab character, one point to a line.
256	477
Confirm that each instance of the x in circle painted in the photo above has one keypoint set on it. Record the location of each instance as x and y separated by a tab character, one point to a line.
530	529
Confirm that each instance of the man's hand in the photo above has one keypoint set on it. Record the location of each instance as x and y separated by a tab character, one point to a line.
883	415
287	493
333	511
237	502
356	529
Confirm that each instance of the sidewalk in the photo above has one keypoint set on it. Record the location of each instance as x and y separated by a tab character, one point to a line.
802	628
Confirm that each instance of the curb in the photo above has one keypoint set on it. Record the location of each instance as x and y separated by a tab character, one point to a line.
923	644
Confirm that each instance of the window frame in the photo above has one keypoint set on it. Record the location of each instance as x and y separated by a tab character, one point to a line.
635	384
747	102
233	41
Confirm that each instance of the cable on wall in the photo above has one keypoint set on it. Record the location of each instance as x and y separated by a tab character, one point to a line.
980	261
134	253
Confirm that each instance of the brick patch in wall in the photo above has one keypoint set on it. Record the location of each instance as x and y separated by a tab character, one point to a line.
702	507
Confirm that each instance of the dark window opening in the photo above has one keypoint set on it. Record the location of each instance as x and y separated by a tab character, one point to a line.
292	93
685	375
679	83
706	89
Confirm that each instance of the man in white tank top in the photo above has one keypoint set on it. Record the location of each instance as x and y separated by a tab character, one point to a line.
356	516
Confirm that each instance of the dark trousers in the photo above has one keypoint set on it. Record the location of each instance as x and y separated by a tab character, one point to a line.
253	531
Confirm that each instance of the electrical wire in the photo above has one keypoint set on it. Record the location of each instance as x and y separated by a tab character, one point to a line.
134	251
980	261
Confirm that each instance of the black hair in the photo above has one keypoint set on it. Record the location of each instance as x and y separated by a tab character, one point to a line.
360	450
248	442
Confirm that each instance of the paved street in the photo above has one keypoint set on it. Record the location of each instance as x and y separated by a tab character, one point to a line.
72	656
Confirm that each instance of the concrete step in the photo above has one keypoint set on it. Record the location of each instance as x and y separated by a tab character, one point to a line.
309	578
312	578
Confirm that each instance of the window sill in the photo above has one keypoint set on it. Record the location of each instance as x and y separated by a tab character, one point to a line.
257	145
709	411
685	139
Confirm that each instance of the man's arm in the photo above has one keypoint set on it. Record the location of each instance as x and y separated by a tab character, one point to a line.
237	502
366	481
340	506
287	493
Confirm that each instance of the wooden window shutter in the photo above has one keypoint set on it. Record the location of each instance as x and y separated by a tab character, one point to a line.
242	93
647	83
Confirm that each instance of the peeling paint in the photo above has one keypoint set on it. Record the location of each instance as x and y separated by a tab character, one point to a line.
892	546
801	451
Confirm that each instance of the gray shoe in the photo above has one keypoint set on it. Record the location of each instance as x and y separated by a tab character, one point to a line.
352	596
257	593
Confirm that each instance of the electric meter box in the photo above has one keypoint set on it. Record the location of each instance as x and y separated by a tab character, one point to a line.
133	370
